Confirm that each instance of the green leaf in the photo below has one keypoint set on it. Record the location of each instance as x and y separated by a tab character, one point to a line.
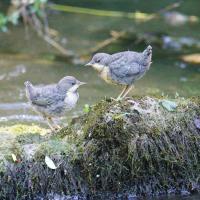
169	105
86	108
43	1
14	17
3	21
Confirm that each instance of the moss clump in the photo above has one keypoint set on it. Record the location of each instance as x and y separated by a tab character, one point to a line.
13	138
142	145
133	145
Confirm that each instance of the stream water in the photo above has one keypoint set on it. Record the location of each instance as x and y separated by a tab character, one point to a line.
24	56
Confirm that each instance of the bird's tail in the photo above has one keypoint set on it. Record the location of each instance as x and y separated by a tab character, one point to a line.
28	84
148	51
29	89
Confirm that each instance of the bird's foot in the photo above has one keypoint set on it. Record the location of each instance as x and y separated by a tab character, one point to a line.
52	131
120	98
116	99
127	98
57	127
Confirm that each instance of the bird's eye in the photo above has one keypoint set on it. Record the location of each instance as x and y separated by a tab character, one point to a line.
73	83
98	61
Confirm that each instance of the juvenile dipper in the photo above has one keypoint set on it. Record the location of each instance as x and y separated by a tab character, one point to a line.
55	99
122	68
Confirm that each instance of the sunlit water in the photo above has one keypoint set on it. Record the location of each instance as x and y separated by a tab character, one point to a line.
23	56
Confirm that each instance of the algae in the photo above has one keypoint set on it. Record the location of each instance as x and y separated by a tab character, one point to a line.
13	138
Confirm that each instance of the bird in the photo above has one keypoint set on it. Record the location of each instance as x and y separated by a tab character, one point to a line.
122	68
55	99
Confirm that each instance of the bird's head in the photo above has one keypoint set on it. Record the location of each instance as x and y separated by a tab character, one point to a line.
98	61
69	83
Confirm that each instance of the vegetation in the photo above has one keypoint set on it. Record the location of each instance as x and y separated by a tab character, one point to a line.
30	7
136	145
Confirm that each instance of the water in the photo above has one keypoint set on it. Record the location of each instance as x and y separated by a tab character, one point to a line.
24	56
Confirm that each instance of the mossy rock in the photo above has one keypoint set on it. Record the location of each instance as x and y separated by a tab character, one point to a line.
13	138
141	145
136	145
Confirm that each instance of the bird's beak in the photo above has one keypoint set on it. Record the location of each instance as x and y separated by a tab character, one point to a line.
88	64
82	83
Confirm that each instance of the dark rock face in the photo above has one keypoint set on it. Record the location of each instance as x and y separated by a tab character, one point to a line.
134	146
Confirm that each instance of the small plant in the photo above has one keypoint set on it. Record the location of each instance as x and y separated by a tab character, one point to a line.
33	14
86	108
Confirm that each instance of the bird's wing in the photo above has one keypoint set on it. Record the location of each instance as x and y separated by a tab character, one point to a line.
125	66
45	96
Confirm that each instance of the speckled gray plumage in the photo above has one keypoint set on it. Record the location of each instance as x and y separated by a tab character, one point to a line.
125	67
50	100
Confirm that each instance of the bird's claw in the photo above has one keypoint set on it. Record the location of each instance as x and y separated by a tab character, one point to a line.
116	99
127	98
57	128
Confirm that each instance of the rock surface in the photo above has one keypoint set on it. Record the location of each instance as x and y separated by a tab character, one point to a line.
136	146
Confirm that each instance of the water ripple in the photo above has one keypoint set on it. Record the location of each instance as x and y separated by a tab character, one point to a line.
24	118
14	106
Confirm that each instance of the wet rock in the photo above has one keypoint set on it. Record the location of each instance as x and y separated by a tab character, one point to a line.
191	58
183	79
185	192
197	122
135	145
132	197
175	18
178	44
181	65
30	150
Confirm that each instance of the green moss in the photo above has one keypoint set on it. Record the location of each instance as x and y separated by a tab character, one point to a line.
21	129
126	143
56	147
134	145
12	139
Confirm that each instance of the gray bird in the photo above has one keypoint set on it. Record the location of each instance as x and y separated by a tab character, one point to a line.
55	99
122	68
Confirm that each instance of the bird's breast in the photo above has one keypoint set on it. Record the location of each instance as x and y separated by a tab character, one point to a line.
71	100
105	75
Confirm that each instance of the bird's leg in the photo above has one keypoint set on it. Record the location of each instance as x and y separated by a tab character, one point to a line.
49	122
53	124
121	94
128	89
57	126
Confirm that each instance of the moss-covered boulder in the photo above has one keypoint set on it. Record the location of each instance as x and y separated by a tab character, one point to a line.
144	146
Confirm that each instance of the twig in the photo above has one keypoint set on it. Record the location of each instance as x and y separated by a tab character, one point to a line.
163	10
40	26
90	11
114	37
57	46
108	13
170	7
